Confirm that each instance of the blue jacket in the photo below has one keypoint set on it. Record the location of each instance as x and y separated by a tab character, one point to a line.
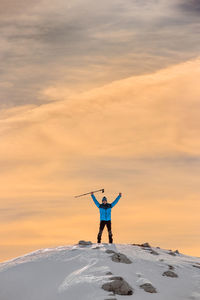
105	209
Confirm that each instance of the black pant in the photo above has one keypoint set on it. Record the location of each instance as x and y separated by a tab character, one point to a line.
101	228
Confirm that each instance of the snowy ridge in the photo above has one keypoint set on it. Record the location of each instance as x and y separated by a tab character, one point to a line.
79	271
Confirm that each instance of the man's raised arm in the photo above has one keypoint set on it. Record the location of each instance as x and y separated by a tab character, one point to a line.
116	200
95	200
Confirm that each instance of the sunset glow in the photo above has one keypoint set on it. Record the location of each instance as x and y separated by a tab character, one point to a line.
96	111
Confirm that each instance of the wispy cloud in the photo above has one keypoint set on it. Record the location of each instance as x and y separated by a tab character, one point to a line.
68	45
138	135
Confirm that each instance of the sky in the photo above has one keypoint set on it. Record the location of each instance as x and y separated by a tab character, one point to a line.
99	95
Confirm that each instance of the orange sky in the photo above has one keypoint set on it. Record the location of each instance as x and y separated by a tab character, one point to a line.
138	136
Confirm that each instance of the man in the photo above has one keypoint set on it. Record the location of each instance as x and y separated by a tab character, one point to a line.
105	215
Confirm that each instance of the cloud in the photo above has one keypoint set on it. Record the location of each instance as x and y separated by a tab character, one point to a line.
9	7
11	214
62	43
190	6
138	121
106	126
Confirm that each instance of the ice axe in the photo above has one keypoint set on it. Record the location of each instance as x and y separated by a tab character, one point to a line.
101	190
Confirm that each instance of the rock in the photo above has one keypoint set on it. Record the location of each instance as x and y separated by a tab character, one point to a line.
121	258
198	267
170	274
84	243
110	251
171	253
117	278
154	252
148	287
96	248
145	245
171	267
177	252
118	286
148	248
109	273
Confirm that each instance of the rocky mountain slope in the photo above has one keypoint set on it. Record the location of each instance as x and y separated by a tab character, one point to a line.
101	271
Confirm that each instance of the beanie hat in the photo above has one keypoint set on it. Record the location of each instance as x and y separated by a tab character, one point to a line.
104	199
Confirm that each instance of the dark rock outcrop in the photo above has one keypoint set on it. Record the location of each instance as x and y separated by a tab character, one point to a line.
121	258
148	287
171	267
144	245
109	273
171	253
118	286
153	252
177	252
110	251
196	266
170	273
147	247
85	243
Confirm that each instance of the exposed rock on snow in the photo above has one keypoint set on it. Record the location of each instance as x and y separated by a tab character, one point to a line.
171	267
110	251
147	247
173	253
154	252
151	251
177	252
170	274
148	287
196	266
144	245
84	243
118	286
121	258
79	272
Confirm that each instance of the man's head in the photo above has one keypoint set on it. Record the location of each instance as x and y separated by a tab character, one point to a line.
104	200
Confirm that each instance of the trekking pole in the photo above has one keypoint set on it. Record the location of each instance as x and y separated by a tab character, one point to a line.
101	190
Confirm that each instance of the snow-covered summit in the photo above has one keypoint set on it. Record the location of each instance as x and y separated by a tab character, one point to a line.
101	271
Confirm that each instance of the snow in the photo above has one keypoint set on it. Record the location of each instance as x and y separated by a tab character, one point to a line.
78	272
